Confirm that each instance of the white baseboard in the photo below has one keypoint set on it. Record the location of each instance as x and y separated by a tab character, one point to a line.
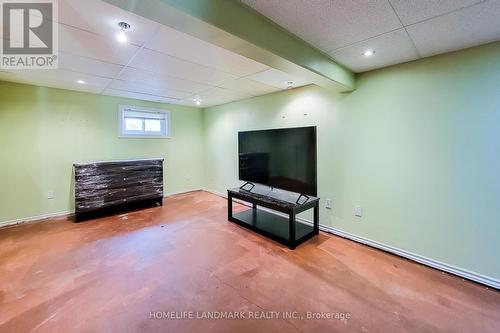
166	195
463	273
466	274
43	217
36	218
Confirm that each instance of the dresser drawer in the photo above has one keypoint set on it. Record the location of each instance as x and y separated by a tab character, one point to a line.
114	181
104	197
83	171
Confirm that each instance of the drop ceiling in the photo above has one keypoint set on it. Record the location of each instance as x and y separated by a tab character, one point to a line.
156	64
161	64
398	30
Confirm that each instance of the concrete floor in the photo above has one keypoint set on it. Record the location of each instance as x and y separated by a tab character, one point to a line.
107	275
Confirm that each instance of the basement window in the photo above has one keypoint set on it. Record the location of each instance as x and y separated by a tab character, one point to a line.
139	122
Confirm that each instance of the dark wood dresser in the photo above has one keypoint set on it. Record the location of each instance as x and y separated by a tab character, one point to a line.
100	186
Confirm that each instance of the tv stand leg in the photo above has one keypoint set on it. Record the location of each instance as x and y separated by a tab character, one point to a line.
291	243
229	207
254	210
316	219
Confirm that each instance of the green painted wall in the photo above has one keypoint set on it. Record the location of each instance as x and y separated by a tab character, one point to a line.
416	145
44	130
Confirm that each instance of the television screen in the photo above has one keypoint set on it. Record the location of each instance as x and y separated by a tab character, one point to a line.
281	158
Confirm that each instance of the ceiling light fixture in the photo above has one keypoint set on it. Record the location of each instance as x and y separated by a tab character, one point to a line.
81	82
289	84
197	100
368	53
122	36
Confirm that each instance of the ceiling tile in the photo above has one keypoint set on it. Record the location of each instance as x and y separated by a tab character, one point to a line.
187	102
411	11
87	65
184	46
169	82
158	62
87	44
152	88
468	27
57	78
217	96
390	48
278	79
144	97
250	87
225	93
330	24
102	18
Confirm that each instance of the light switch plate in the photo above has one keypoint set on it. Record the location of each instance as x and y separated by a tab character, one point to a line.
50	194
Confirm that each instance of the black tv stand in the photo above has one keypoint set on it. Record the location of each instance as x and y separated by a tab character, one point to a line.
285	230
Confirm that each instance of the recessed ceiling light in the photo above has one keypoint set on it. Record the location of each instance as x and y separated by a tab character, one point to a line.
122	36
81	82
197	100
368	53
289	84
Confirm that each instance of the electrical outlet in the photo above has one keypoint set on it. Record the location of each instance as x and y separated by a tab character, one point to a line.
328	204
50	194
358	211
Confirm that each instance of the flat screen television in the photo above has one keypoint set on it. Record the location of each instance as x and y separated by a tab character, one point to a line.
281	158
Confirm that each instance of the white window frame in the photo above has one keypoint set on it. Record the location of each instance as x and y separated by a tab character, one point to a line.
123	133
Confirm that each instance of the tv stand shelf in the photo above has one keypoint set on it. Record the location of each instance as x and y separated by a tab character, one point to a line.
285	230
